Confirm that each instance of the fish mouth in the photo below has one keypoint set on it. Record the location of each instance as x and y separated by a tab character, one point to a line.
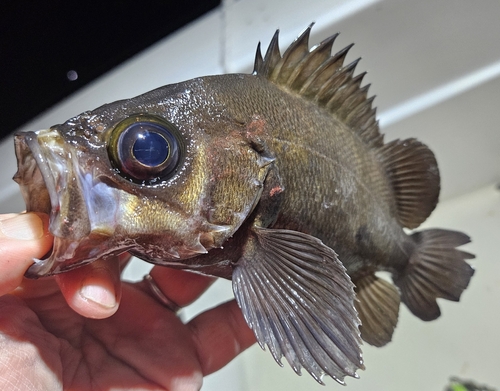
50	182
39	184
35	177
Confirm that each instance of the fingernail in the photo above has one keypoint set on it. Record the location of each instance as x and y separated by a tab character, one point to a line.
98	295
26	226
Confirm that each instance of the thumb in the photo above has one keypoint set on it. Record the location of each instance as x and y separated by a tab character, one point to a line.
22	237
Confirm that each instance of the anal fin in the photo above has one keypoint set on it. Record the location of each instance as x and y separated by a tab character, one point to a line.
436	269
299	300
378	309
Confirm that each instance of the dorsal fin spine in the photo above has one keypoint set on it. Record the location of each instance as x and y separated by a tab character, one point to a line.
318	55
339	82
341	88
322	78
272	55
291	58
361	113
325	72
350	97
361	119
259	61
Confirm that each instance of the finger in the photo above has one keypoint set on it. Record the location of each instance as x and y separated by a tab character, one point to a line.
180	286
22	237
153	340
124	260
220	334
93	290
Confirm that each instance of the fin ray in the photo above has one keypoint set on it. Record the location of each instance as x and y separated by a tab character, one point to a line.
319	76
412	170
318	55
297	297
378	309
436	269
291	58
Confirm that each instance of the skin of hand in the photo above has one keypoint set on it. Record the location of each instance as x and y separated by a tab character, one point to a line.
88	330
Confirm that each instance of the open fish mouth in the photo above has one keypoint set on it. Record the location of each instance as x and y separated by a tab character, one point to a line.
41	178
35	177
50	180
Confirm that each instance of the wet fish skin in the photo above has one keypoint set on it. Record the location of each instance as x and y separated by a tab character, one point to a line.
283	183
175	212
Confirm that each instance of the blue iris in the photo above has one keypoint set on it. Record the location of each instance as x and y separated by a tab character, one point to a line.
150	148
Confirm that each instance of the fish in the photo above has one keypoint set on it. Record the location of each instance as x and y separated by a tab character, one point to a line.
279	180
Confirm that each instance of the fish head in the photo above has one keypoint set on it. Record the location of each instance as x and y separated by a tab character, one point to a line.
166	175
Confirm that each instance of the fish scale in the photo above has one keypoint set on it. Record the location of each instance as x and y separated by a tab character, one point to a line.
313	159
280	181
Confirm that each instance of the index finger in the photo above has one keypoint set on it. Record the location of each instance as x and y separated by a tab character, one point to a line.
180	286
220	334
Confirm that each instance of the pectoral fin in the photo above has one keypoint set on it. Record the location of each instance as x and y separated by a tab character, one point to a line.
297	297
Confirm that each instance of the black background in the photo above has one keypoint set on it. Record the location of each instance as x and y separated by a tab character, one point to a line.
40	41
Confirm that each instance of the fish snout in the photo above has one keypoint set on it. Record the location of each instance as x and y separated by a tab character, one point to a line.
51	181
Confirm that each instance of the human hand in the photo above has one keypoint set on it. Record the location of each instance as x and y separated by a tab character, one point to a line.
88	330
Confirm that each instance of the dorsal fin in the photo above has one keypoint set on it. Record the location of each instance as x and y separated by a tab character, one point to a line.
413	173
323	78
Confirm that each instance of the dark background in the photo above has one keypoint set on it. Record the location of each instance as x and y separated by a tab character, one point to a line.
41	41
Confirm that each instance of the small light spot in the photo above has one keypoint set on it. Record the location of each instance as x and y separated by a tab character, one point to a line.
72	75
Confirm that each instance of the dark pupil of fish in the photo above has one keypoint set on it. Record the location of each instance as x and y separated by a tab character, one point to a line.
150	148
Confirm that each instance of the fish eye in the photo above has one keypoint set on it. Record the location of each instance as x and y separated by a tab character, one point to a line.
145	148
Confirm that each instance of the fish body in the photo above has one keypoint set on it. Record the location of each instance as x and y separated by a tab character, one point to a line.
279	180
306	160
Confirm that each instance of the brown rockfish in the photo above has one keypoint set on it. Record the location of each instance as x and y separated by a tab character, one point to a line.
279	180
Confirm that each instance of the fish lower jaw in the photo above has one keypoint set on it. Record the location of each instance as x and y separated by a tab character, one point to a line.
174	254
56	260
40	268
67	254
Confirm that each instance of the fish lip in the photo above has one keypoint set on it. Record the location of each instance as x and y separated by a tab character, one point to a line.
35	180
36	183
31	139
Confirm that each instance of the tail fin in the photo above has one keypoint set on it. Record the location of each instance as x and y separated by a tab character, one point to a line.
435	269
